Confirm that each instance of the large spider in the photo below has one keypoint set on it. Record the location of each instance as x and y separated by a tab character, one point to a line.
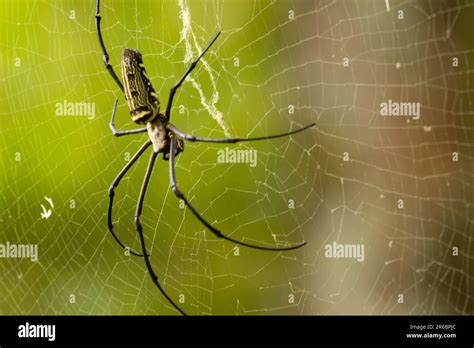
164	137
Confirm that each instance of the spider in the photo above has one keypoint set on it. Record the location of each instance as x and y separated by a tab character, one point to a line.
164	138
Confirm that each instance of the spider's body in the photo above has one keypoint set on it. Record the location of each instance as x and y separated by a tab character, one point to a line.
143	103
144	106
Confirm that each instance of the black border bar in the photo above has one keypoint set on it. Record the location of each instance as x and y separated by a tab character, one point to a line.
223	330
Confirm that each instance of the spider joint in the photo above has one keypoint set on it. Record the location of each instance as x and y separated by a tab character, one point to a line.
176	191
111	191
137	222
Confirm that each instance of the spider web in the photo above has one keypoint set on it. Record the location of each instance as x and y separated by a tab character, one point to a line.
277	65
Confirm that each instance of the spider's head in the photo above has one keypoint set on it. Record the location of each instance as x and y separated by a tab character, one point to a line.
140	95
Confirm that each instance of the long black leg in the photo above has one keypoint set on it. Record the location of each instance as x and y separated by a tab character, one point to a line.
214	230
138	226
180	82
109	67
232	140
112	187
118	133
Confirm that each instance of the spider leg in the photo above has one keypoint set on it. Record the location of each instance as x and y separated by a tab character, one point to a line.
140	231
117	133
232	140
188	71
112	187
109	67
214	230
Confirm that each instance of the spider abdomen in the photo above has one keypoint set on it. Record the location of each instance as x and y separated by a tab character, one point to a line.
140	95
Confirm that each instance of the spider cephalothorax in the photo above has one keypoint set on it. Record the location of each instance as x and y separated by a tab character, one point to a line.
144	106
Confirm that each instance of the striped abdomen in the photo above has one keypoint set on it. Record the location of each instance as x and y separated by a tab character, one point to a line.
140	95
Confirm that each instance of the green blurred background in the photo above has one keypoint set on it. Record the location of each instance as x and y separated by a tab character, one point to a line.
264	62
